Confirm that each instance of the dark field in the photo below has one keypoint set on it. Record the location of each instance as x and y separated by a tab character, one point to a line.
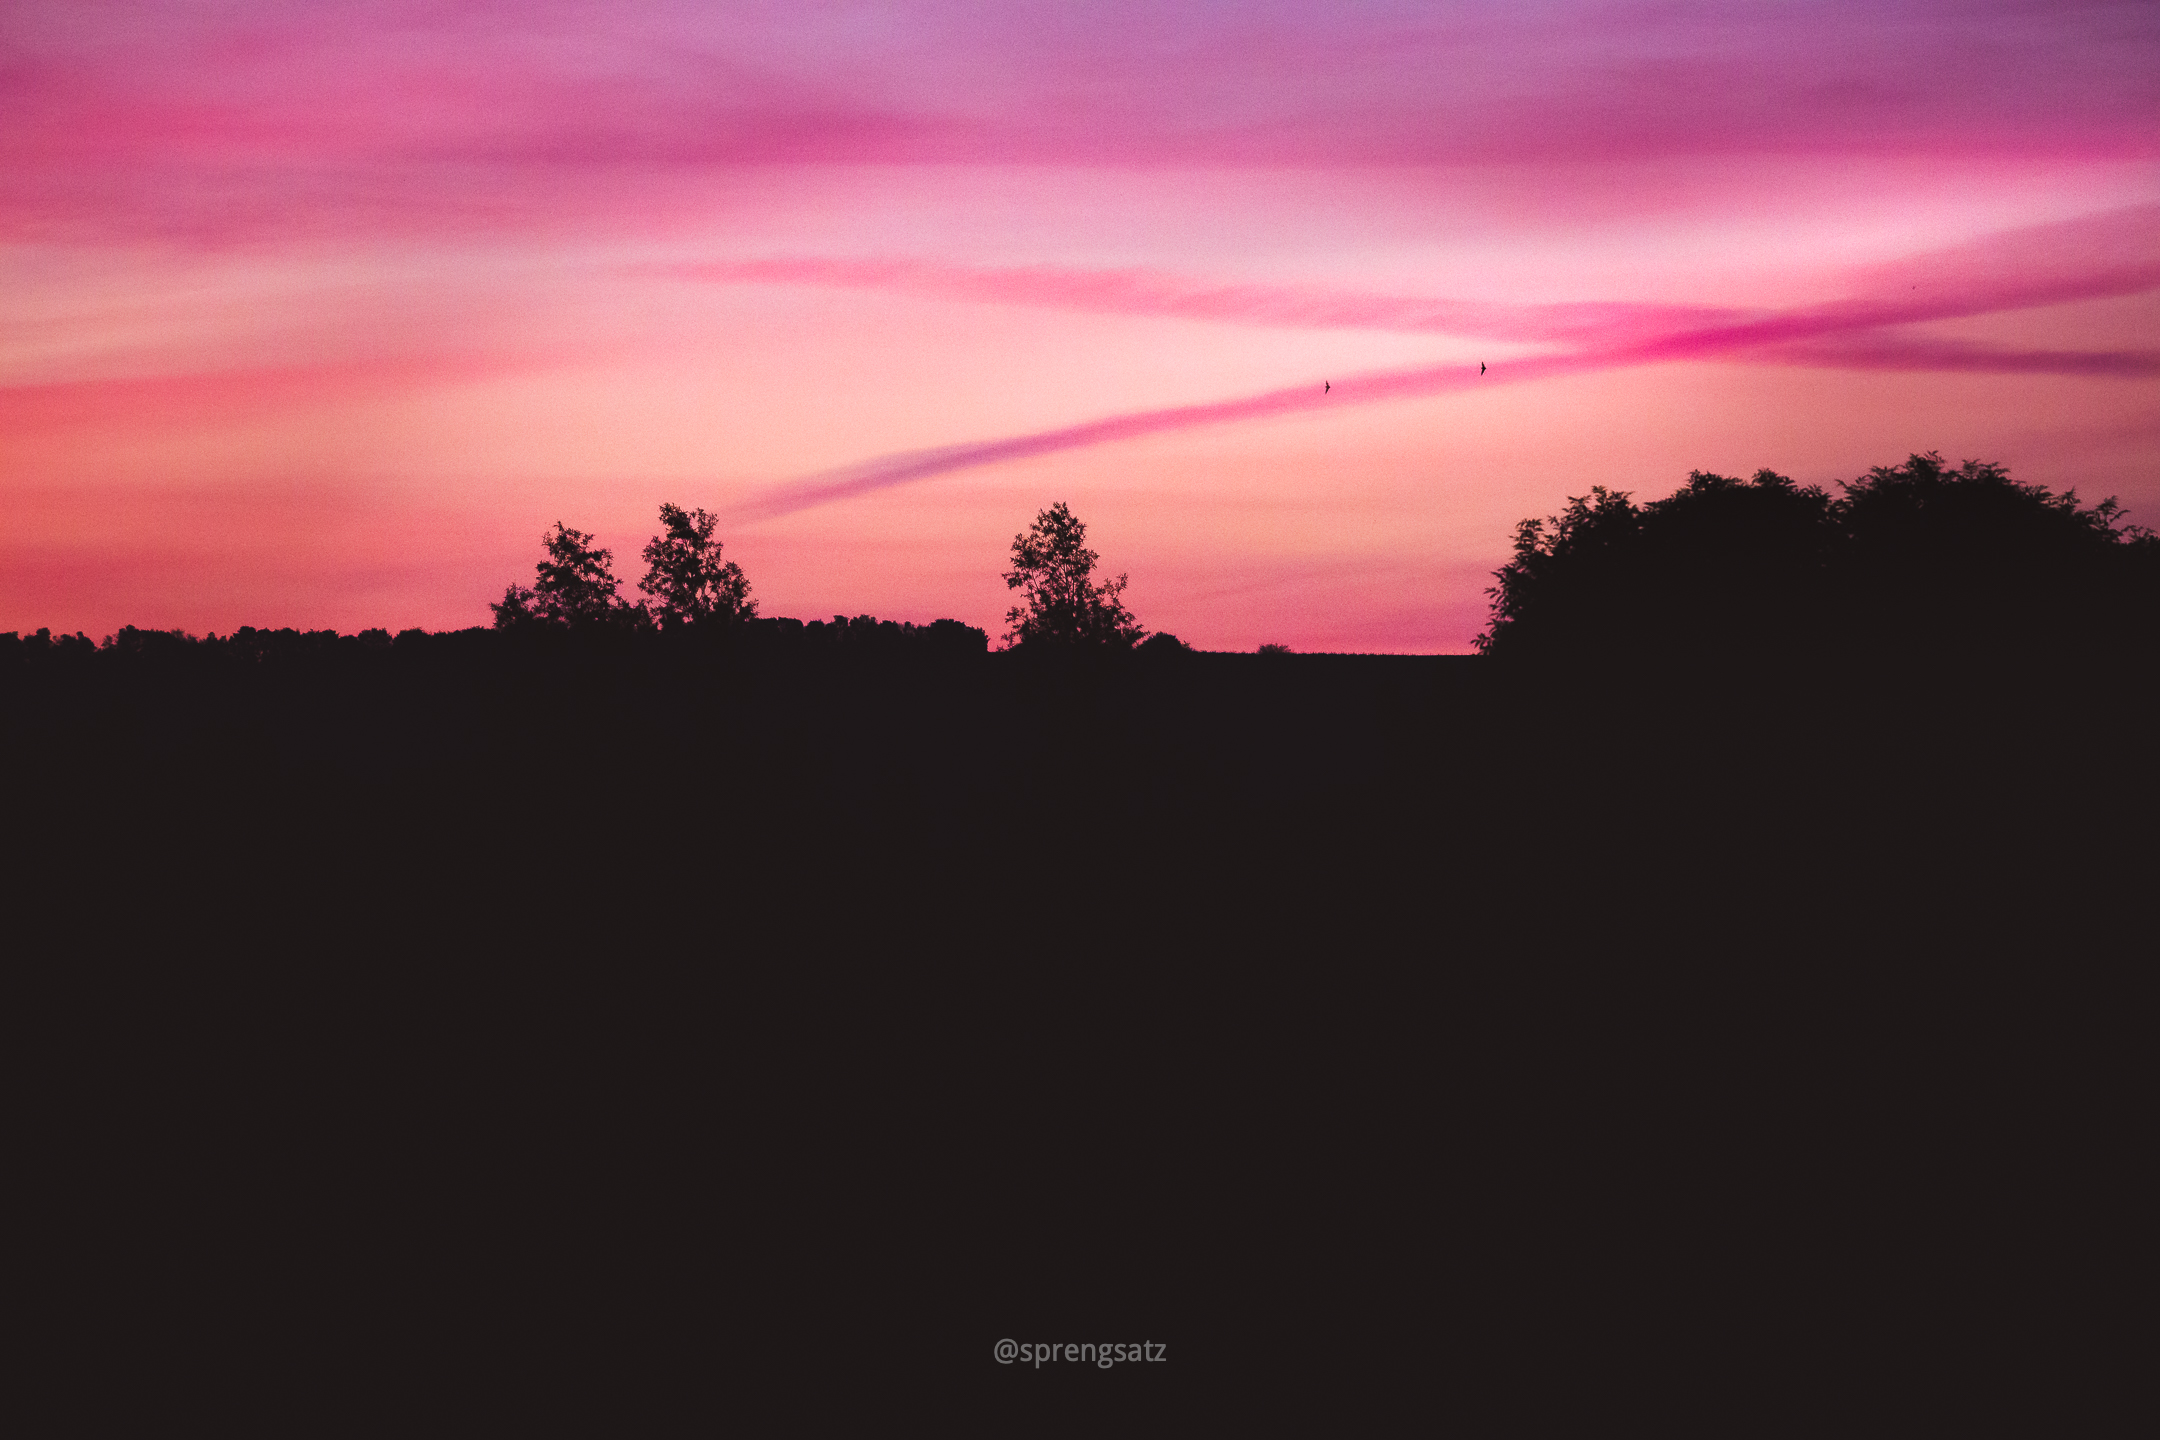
640	1036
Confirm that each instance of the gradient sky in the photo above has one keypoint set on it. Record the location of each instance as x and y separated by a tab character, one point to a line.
319	314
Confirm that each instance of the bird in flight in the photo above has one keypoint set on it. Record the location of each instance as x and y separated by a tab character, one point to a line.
1480	367
1326	385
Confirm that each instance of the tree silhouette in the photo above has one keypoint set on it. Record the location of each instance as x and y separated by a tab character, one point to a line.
575	586
1720	562
1917	552
689	582
1062	604
1936	553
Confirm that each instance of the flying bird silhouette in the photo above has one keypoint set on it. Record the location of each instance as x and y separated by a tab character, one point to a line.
1326	385
1480	367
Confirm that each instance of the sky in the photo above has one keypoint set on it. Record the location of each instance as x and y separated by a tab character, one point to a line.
321	314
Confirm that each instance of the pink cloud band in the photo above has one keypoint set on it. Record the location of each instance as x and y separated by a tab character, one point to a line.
1154	292
2098	257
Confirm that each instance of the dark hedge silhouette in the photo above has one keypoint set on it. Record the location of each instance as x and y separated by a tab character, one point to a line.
309	655
865	636
1917	554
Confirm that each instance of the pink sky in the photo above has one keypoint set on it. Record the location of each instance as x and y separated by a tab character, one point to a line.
320	314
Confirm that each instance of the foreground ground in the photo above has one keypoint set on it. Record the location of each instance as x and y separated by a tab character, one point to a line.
459	1027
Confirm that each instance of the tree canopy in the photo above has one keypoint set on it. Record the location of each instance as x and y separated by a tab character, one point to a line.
688	581
1062	604
1919	552
575	585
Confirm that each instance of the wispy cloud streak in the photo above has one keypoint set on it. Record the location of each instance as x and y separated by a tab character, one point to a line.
1420	383
2093	257
1847	333
203	396
1155	292
1897	353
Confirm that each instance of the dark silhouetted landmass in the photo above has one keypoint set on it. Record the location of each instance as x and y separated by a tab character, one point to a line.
764	1018
1913	559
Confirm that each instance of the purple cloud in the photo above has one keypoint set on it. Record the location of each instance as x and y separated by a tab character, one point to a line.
397	112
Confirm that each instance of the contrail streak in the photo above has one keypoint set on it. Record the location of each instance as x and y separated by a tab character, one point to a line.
2097	257
1784	337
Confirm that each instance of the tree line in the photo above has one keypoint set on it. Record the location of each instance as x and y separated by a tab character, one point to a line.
690	584
687	581
1917	557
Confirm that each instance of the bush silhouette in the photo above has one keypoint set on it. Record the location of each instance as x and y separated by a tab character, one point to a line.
1935	555
1162	642
1913	554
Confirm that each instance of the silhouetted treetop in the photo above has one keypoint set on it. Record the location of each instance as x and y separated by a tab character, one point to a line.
1163	643
1912	553
1062	605
688	581
575	586
1973	518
